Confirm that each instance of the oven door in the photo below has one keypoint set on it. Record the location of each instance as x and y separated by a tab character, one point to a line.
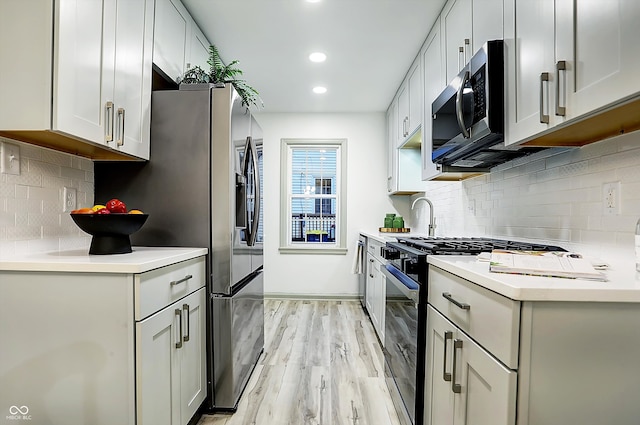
401	341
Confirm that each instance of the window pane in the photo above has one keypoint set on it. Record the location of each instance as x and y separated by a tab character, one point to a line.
313	170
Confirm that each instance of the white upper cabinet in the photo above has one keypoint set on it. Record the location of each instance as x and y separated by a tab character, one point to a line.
567	59
434	83
466	26
598	42
83	84
178	43
529	64
199	49
456	20
392	146
410	105
89	62
170	37
404	164
132	91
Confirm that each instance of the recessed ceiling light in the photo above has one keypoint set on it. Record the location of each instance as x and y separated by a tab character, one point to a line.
317	57
319	90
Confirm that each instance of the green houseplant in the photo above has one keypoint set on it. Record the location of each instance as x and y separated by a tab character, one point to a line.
219	74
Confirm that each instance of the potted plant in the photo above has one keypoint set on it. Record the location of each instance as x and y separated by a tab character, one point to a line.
219	74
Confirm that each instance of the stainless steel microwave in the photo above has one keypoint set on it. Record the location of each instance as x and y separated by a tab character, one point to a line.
468	116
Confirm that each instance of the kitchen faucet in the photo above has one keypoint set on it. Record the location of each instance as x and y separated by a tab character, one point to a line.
432	220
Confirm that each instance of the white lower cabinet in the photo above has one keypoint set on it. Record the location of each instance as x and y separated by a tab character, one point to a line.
465	384
554	362
100	348
375	293
170	358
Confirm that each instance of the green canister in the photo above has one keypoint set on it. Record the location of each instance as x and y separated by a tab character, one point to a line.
388	220
398	222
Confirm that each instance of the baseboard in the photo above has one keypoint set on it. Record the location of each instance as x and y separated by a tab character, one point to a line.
311	297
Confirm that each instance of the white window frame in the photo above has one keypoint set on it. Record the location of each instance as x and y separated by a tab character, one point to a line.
286	176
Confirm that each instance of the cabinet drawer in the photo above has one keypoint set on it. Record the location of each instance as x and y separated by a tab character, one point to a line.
158	288
374	248
490	319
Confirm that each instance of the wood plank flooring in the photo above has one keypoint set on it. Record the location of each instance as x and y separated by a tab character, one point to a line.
322	365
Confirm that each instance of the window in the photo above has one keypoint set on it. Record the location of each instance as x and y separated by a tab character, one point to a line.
313	208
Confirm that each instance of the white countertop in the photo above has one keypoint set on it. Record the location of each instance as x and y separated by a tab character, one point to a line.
622	285
141	260
388	236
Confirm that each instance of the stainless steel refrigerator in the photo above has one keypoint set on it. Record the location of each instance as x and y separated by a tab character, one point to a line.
202	187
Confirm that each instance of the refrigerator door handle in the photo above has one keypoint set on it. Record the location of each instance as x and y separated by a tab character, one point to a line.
256	194
250	154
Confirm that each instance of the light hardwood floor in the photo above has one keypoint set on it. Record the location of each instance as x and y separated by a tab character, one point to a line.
322	365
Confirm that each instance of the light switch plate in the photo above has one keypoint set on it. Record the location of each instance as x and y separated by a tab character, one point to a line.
9	158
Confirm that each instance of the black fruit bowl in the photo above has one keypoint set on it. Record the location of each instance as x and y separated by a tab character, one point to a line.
110	231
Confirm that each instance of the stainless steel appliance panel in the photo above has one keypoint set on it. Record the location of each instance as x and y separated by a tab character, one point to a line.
257	259
237	323
401	342
166	187
230	128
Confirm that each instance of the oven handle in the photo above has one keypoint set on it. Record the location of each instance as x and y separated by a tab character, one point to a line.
412	294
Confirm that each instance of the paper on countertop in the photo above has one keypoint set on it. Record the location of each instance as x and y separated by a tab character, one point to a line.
597	263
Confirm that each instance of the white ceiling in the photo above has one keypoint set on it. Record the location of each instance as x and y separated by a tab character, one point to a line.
370	45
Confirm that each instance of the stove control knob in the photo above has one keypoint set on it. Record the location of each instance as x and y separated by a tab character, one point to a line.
390	253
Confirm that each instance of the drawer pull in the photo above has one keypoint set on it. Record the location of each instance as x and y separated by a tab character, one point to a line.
184	279
448	335
456	388
185	308
463	306
178	313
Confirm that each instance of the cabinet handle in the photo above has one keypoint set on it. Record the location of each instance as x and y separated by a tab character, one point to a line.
370	275
467	48
185	308
446	376
184	279
456	388
560	66
108	111
461	63
463	306
178	313
120	139
459	111
544	78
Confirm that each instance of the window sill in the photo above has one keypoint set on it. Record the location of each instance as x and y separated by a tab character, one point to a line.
313	250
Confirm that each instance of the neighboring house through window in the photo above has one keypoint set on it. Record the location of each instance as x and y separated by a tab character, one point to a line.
313	183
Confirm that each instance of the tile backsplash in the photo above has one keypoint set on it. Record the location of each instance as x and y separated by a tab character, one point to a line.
31	203
552	196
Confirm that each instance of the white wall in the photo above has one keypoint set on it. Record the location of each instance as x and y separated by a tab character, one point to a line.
367	202
31	216
555	198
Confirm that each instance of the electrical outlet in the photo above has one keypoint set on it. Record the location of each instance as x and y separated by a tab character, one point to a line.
9	158
70	196
611	198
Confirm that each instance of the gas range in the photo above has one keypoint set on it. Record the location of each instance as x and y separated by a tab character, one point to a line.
468	246
409	254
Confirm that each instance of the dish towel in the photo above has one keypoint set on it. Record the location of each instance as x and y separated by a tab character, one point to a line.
358	266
